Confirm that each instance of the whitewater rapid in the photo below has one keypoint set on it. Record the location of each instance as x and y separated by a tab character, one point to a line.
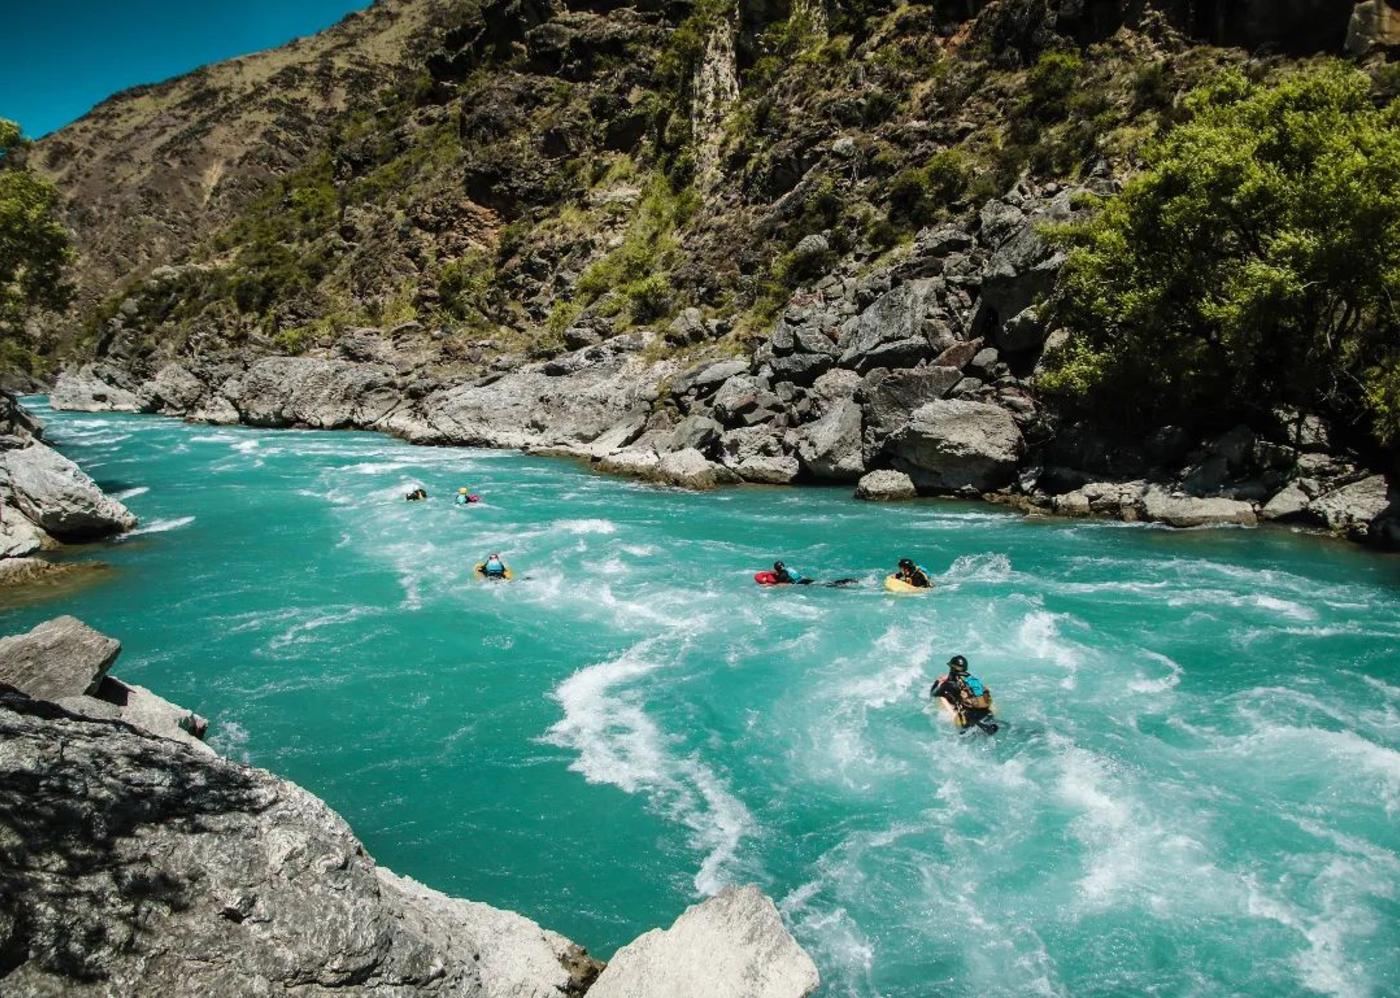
1195	789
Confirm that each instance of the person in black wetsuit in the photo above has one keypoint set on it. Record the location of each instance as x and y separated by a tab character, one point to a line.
969	696
911	574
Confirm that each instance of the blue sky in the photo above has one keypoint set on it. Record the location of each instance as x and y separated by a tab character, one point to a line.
63	56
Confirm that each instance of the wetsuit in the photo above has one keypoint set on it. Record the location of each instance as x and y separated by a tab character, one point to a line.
917	578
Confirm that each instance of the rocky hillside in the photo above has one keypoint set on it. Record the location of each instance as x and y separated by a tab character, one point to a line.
154	169
135	861
706	242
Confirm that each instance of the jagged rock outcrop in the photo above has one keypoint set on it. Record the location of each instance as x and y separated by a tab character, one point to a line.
139	865
732	946
85	390
67	662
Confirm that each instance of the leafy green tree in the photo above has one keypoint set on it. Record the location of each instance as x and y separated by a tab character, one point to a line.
33	243
1255	261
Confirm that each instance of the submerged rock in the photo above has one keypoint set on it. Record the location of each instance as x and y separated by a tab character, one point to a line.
732	946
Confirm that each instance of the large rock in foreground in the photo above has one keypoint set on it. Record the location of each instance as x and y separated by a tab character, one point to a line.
136	865
731	946
59	658
956	446
66	661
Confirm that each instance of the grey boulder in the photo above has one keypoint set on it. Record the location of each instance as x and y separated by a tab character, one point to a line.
732	946
1161	506
885	485
55	494
831	448
59	658
958	446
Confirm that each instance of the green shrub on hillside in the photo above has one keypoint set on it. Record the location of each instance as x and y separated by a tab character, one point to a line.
924	193
1255	261
33	243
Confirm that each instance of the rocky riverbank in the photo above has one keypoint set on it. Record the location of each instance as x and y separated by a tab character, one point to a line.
137	861
916	376
46	500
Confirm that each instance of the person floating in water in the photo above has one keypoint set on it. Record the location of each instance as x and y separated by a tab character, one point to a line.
912	575
785	576
417	495
967	695
494	569
465	497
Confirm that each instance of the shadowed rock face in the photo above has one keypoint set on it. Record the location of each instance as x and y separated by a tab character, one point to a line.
131	864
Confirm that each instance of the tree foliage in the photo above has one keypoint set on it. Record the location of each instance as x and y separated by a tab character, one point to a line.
1254	262
33	243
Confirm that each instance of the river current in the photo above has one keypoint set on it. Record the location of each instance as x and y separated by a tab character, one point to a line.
1196	790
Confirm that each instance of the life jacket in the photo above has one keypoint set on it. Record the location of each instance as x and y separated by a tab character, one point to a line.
974	693
494	567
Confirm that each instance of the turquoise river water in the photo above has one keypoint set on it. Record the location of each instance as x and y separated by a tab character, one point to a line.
1196	791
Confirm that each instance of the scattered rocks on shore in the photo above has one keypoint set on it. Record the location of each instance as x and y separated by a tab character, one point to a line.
924	366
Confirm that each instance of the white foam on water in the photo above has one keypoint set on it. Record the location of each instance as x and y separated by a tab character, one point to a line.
616	742
977	568
131	493
229	739
247	446
161	526
305	630
1170	681
215	438
596	526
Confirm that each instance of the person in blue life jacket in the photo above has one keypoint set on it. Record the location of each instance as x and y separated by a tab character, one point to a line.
466	497
969	697
787	576
911	574
493	567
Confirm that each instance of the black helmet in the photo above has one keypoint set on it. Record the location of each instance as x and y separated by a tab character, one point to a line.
957	663
778	566
905	563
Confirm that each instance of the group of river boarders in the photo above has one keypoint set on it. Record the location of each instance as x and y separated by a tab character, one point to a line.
964	695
